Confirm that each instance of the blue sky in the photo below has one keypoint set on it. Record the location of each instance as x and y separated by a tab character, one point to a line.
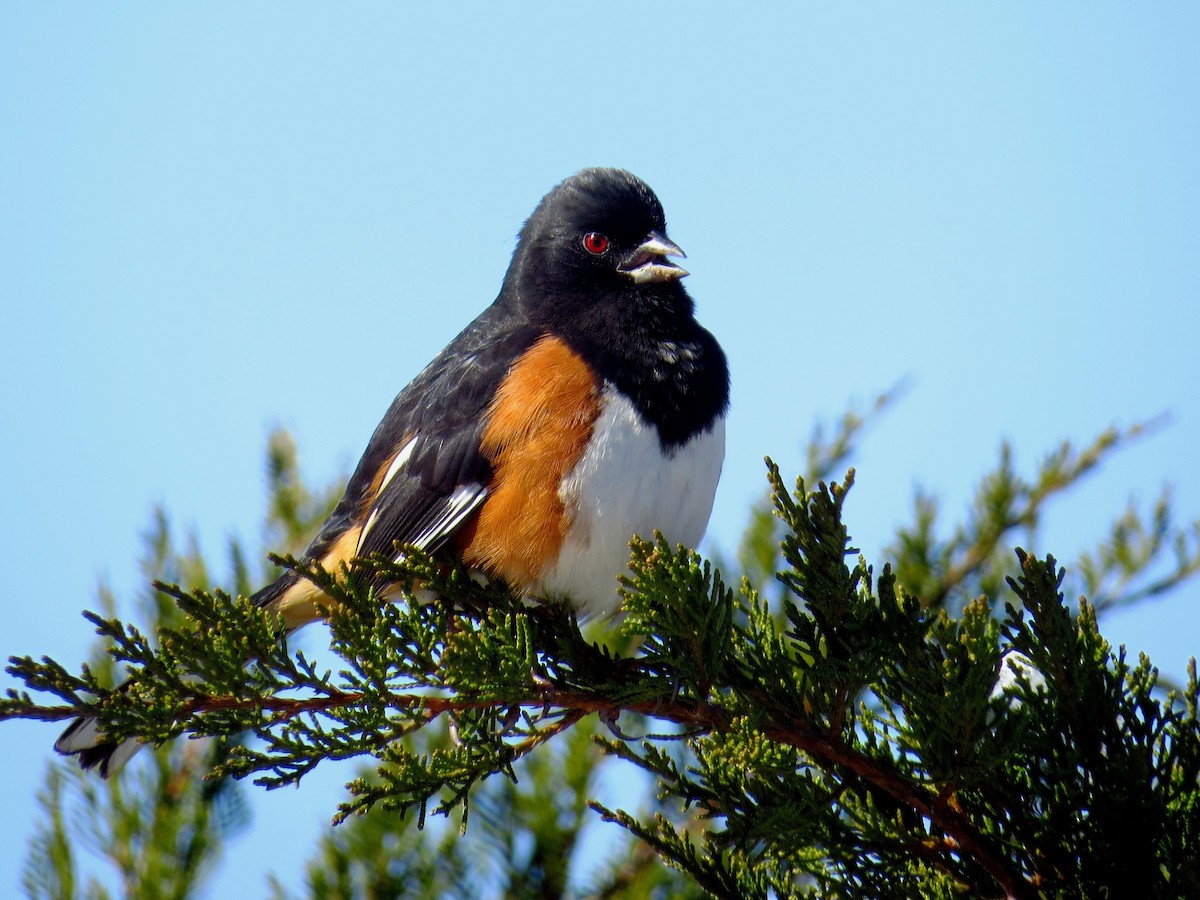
214	220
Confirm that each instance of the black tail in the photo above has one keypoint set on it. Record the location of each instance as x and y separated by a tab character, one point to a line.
83	738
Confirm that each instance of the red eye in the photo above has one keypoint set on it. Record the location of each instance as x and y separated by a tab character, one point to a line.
595	243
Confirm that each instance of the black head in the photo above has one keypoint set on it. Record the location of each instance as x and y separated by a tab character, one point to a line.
597	239
592	267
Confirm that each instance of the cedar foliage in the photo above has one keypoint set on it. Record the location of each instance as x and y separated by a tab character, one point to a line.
948	725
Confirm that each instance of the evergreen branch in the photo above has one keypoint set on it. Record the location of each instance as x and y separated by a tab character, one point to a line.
829	449
1003	503
1133	547
720	876
826	456
703	717
846	737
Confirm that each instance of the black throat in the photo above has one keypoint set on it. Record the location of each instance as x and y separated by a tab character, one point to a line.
649	345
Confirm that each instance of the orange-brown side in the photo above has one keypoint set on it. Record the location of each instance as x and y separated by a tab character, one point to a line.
538	427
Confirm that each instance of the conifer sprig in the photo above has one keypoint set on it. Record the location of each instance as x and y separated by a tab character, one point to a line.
846	738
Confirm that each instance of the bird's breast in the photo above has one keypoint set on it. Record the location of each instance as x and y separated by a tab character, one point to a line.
625	484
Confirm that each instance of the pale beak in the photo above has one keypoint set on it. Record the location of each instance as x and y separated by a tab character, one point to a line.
649	262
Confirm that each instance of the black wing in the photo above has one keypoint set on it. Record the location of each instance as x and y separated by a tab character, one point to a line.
422	474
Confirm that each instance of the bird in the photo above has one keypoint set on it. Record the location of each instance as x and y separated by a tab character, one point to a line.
584	406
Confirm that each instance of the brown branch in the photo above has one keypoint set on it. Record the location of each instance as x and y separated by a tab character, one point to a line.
702	717
937	810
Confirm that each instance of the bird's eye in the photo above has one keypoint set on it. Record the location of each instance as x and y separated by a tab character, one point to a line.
595	243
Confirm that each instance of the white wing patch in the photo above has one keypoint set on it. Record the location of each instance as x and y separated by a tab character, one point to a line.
402	457
371	519
459	505
454	509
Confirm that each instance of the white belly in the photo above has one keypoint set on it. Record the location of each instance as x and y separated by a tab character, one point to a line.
624	486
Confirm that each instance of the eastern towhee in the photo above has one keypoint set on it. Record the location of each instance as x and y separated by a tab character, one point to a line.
586	405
